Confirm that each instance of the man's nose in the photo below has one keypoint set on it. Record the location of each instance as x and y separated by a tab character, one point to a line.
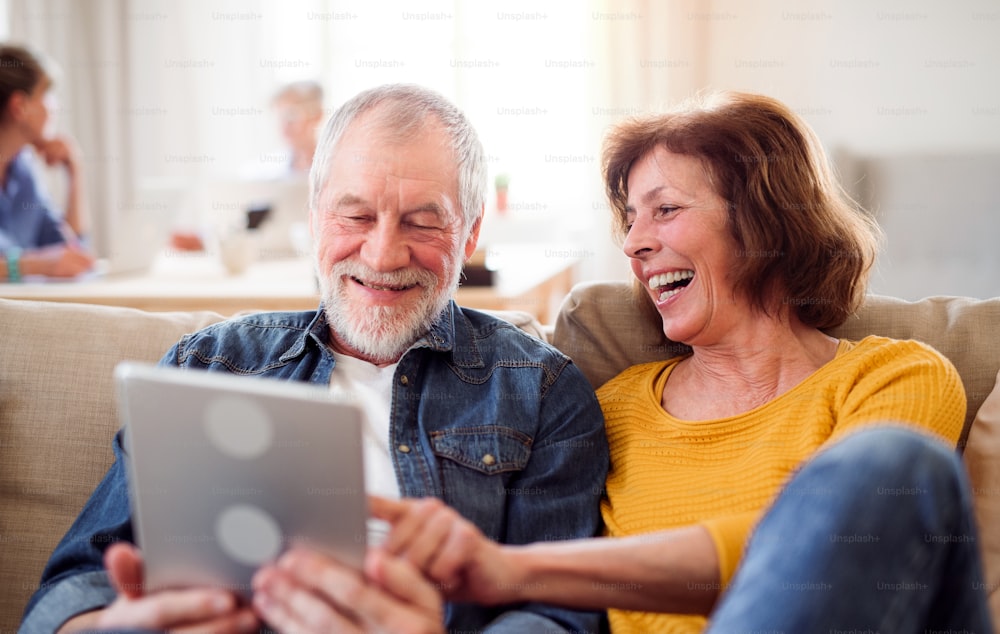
385	247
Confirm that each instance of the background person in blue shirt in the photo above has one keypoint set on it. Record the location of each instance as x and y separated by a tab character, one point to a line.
35	240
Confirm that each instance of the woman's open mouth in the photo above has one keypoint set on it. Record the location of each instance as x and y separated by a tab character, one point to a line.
669	284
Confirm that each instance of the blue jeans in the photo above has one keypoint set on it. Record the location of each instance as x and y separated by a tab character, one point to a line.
876	534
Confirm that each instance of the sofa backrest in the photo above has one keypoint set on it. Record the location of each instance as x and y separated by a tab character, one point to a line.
606	327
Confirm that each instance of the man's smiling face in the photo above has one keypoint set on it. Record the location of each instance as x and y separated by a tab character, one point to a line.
390	237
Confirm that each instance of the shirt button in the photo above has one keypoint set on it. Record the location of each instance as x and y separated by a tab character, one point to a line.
404	380
488	459
404	448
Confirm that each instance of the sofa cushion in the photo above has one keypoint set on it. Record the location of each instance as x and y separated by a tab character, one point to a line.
981	457
606	327
57	420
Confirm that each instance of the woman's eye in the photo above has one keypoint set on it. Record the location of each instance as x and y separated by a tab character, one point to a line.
667	209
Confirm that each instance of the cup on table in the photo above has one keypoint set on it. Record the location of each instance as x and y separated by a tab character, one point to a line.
236	250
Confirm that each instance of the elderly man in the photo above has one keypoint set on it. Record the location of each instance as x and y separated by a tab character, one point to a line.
397	190
299	107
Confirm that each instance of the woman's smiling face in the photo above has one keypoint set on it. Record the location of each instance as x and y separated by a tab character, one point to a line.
680	246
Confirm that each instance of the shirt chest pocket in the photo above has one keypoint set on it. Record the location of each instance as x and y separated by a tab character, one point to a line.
489	450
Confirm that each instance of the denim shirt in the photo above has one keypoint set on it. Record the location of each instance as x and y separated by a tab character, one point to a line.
26	217
499	425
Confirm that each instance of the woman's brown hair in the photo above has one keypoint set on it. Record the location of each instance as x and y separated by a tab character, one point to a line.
20	71
801	240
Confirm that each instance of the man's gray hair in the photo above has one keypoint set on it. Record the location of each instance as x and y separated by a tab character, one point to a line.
403	109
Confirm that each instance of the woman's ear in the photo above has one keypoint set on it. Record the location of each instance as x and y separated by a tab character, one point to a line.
16	105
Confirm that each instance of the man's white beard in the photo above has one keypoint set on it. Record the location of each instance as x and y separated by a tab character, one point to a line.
382	333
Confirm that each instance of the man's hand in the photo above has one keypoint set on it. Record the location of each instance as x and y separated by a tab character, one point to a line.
190	611
448	549
306	591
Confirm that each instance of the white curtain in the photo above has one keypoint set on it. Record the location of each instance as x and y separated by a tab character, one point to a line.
176	91
88	41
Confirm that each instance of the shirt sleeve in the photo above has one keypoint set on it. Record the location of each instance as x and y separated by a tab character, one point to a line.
49	231
730	535
48	224
38	225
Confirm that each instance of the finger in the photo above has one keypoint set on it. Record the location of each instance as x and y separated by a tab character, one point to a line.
407	602
456	555
386	509
240	622
404	581
169	609
410	526
289	606
123	562
324	576
351	597
431	536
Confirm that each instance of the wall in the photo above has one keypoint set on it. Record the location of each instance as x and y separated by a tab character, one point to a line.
177	90
905	96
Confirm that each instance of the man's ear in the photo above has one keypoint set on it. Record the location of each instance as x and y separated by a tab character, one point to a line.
473	239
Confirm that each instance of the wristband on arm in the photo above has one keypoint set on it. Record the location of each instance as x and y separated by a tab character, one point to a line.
13	264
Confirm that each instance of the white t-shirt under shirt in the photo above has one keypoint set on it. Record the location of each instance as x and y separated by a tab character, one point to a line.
371	387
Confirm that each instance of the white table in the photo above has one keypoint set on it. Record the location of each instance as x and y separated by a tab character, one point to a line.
532	278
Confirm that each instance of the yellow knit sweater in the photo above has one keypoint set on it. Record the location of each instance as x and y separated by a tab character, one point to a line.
723	473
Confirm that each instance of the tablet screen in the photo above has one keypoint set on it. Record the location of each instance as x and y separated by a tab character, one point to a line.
225	472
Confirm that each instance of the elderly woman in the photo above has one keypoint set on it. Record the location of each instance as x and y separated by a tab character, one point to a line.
747	249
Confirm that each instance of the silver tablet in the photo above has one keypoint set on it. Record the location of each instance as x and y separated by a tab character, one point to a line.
226	472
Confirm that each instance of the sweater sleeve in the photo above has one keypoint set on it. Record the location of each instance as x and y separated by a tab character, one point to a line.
906	382
730	535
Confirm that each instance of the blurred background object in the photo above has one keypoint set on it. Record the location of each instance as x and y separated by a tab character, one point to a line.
180	90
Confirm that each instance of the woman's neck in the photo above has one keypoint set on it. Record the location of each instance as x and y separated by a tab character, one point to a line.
747	369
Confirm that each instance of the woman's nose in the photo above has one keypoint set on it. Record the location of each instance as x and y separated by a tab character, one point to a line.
640	240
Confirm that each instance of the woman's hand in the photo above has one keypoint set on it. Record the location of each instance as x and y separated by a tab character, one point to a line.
59	150
448	549
62	150
61	260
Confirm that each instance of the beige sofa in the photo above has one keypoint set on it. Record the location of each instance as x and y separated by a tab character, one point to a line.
57	412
